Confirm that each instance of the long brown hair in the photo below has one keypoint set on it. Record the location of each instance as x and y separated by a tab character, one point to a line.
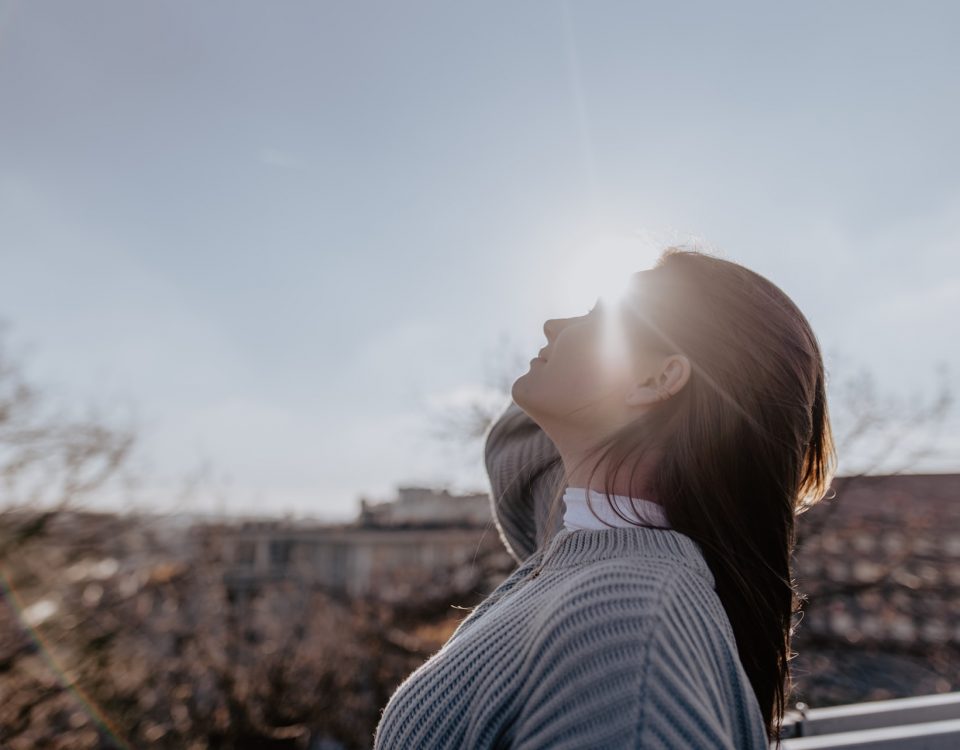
742	449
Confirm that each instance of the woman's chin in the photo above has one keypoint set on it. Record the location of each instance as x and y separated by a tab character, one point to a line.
518	389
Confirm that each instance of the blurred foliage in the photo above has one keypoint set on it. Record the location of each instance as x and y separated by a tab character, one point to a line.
126	637
119	631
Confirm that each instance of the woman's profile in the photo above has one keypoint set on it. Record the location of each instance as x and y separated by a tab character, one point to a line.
646	476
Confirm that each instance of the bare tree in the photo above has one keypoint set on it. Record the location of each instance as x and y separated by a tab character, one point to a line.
891	424
50	459
467	421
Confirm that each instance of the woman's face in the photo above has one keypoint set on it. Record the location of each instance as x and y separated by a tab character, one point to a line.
585	370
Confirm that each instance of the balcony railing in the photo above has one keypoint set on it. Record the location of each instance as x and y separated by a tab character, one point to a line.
927	722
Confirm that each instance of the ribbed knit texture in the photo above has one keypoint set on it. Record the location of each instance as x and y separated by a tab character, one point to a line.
601	638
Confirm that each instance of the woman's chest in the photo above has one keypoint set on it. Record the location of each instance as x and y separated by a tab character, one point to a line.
466	694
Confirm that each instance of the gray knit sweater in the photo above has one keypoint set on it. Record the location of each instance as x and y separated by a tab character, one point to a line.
601	638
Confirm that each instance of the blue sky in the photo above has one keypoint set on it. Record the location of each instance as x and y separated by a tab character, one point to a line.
286	235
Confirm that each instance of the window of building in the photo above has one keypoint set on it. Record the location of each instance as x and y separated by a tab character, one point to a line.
281	551
245	552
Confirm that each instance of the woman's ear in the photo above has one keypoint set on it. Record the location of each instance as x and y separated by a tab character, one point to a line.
673	375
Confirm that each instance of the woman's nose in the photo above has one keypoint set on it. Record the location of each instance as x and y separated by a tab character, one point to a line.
550	328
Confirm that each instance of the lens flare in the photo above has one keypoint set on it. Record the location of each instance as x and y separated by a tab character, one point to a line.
47	653
614	349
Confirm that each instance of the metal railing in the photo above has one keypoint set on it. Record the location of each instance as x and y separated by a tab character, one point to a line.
926	722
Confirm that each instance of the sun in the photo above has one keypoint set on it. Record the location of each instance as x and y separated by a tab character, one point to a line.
602	270
601	266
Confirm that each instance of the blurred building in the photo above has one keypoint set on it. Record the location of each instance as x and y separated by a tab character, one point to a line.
393	550
429	506
880	562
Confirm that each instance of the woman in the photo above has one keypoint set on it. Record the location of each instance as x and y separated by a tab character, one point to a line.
684	425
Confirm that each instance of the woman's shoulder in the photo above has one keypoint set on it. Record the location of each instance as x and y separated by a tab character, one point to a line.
642	580
663	624
639	596
647	636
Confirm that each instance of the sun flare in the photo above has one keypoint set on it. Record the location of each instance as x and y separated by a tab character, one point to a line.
602	270
613	339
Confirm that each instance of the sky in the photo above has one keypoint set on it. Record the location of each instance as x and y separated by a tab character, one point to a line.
284	239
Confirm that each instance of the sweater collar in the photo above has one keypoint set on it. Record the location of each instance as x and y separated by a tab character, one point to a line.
572	546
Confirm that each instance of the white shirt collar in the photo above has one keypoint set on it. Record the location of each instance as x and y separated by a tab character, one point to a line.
578	513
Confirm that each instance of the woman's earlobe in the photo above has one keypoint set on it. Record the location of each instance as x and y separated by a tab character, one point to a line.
640	395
